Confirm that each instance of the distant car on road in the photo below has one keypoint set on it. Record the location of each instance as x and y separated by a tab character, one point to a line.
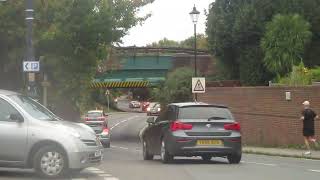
33	137
154	109
192	129
96	115
97	120
144	106
102	130
134	104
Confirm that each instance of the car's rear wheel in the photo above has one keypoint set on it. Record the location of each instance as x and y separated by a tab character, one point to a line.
50	162
234	158
165	156
145	151
206	157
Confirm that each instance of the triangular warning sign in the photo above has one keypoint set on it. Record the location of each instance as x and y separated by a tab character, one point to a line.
199	86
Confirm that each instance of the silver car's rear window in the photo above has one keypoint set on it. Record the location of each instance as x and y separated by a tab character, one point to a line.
204	112
94	114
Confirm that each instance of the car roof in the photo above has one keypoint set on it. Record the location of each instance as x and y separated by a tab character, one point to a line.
7	93
188	104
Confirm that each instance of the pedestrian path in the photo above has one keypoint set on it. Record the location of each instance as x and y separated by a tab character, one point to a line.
281	152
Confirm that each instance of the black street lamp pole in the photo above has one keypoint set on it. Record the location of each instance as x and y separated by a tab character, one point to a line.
30	50
194	17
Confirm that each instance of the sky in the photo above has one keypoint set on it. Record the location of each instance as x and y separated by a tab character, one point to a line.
170	19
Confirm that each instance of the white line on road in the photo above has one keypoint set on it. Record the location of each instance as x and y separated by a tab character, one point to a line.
314	170
123	121
78	179
257	163
93	169
110	178
105	175
119	147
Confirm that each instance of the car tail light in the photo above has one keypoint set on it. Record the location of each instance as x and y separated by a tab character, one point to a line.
177	125
232	126
105	132
102	118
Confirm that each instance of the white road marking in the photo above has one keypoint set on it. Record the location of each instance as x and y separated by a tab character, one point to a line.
119	147
314	170
105	175
78	179
92	169
123	121
110	178
98	172
257	163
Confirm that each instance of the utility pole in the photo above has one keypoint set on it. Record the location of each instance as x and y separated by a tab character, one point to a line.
31	84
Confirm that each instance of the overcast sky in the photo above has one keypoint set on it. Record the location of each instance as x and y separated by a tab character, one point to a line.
170	19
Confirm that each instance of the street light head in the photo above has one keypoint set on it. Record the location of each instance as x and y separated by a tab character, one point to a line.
194	14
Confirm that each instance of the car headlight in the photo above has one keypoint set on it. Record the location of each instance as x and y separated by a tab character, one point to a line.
148	109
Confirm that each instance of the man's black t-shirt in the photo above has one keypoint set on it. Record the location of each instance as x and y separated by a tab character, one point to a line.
309	115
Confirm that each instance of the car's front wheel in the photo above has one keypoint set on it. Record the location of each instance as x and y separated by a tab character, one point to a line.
50	162
145	151
234	158
165	156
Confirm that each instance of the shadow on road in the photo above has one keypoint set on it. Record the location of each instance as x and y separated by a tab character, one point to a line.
193	162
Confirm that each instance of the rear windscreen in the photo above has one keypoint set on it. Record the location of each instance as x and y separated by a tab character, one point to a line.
94	114
201	112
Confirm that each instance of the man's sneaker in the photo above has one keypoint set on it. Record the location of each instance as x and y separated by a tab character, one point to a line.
307	153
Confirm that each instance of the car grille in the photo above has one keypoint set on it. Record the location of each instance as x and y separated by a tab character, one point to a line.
89	142
94	159
208	133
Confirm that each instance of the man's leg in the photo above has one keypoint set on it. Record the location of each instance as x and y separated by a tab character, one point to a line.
306	141
314	141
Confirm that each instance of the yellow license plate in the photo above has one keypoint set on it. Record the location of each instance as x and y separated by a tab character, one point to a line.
209	143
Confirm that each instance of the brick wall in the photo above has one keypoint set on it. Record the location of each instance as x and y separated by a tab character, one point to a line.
266	117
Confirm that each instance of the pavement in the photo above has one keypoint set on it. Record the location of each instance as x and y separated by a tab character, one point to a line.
123	161
281	152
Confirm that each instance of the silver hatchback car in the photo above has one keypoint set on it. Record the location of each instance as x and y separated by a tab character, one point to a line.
33	137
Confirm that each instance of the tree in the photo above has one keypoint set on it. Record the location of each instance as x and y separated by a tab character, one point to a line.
70	38
176	88
202	43
236	26
284	42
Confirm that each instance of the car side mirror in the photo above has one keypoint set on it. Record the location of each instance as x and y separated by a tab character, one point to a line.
151	120
16	117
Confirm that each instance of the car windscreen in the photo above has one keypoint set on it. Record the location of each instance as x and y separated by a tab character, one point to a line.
33	108
204	112
94	114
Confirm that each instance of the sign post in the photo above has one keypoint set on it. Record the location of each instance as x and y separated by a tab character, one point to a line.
198	85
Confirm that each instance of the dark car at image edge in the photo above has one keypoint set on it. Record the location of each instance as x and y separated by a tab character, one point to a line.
192	129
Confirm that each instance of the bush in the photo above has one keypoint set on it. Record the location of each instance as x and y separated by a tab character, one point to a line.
177	87
300	76
315	73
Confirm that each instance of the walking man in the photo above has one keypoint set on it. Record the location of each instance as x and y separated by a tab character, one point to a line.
308	117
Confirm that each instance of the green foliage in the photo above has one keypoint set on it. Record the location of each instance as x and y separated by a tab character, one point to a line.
284	42
299	76
315	73
177	87
70	39
234	26
202	43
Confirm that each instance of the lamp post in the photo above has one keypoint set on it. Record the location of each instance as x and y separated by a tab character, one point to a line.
194	14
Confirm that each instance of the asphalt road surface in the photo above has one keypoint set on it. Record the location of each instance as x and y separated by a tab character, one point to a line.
123	161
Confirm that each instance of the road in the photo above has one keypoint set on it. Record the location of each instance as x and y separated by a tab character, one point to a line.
123	161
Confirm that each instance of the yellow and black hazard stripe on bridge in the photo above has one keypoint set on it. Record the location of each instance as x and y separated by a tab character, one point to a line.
120	84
